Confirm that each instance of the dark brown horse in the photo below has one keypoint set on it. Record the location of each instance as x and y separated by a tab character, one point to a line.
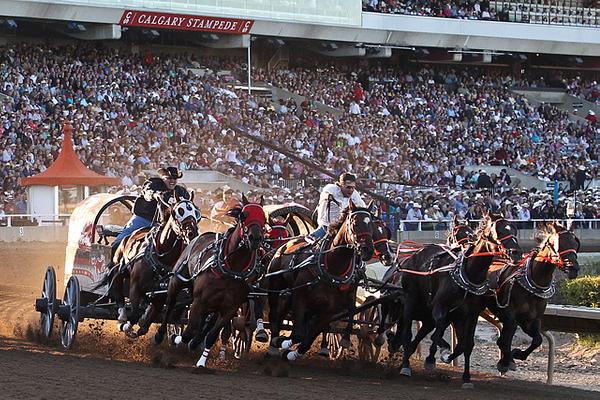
147	257
381	244
219	270
319	280
443	287
460	235
524	289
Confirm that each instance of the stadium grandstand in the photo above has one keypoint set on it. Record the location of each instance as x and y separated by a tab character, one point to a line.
440	108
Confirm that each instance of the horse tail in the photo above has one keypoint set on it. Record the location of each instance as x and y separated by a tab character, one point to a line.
107	278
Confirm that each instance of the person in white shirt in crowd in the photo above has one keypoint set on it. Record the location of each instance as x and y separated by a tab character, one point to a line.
334	198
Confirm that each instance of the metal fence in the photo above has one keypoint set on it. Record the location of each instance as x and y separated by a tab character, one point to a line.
429	225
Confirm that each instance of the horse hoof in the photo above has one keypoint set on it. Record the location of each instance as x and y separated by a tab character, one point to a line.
518	354
429	366
176	339
273	351
193	345
445	356
406	372
157	339
380	340
261	336
287	344
502	368
323	351
277	341
512	366
468	385
345	343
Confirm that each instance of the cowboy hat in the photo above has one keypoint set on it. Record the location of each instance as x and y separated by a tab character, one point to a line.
170	172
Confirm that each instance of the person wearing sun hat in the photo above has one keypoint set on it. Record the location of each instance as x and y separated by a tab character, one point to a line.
146	205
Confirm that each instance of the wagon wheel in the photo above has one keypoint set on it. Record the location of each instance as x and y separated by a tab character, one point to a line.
46	304
242	332
333	345
68	312
367	351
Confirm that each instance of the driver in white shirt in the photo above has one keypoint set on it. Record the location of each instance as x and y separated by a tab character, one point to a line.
333	199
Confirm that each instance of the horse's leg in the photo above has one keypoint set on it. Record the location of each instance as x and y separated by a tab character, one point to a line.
299	325
504	342
324	347
225	336
381	335
117	288
426	327
195	319
261	333
172	291
345	342
313	329
465	344
212	335
136	292
441	320
534	329
405	332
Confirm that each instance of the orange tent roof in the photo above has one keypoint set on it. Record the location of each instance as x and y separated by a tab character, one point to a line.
67	169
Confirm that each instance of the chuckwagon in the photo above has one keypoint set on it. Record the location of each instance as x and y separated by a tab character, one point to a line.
94	224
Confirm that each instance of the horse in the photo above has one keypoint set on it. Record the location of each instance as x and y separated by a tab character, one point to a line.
441	287
147	256
524	289
382	251
318	279
457	294
460	235
219	270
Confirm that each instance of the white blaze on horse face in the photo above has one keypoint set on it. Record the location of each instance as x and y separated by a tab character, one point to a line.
367	220
380	230
556	243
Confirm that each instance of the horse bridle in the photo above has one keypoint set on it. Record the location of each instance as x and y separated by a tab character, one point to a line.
247	223
385	240
453	235
354	238
556	257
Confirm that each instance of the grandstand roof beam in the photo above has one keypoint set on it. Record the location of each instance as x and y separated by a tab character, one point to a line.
230	42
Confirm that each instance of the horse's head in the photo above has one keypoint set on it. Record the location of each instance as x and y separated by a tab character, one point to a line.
461	234
185	216
358	230
503	233
381	238
250	221
561	247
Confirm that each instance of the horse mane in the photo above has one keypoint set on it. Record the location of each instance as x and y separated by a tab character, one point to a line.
334	227
234	212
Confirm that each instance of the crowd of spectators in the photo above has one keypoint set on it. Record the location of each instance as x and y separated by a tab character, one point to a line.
135	112
462	9
552	12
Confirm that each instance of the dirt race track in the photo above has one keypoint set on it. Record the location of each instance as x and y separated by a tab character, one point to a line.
105	365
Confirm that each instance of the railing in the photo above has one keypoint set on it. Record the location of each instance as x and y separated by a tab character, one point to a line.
10	220
429	225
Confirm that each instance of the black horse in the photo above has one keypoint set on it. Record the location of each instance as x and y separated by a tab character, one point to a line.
524	290
460	235
445	288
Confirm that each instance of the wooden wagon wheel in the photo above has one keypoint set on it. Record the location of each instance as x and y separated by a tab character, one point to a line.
242	332
68	312
46	304
367	351
333	344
